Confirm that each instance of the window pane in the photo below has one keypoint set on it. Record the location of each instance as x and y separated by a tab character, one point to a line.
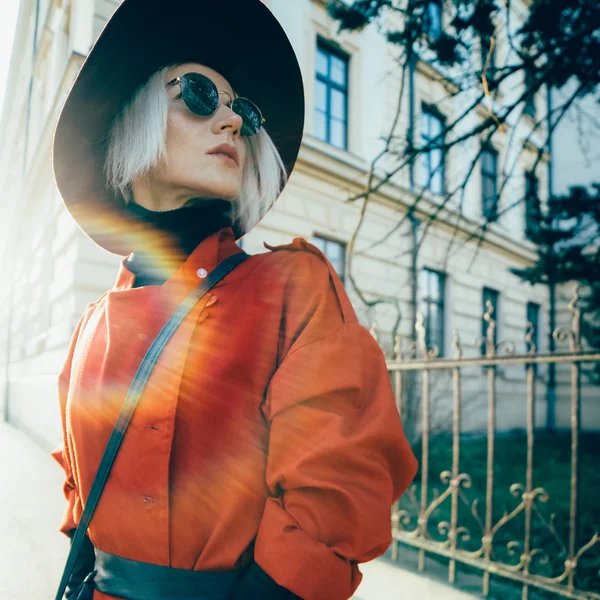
489	198
486	161
425	170
533	316
434	286
431	306
531	184
338	265
532	313
436	126
488	190
338	133
427	322
320	126
424	282
437	182
319	243
529	108
338	70
436	160
432	161
334	251
338	105
321	62
320	96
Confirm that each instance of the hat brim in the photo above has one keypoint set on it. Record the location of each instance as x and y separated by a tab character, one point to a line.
241	39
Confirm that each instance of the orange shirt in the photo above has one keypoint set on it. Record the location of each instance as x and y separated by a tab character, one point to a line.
269	417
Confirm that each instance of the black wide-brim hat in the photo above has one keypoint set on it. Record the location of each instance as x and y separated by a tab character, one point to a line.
241	39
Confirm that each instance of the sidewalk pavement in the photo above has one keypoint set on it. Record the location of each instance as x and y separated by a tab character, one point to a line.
33	552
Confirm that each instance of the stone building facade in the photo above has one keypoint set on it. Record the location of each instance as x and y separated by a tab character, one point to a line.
52	270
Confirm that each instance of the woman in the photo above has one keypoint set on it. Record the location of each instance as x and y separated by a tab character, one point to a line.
266	450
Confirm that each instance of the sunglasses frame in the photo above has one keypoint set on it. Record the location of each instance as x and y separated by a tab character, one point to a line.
177	81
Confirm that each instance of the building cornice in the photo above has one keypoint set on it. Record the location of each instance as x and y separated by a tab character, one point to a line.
348	173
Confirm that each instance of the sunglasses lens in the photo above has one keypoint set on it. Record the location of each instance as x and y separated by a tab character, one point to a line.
199	94
250	115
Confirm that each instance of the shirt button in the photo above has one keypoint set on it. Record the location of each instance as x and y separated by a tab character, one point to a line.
143	337
211	301
202	273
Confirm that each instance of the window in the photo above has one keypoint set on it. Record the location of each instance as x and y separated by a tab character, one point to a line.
533	317
492	296
432	19
331	96
489	183
432	284
530	82
432	160
334	251
532	205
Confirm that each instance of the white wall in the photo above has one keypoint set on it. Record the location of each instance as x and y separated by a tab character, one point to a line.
69	271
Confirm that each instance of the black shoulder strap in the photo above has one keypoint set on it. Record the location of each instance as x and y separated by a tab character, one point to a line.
131	402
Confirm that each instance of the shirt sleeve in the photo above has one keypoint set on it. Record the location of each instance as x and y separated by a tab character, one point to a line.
337	459
62	453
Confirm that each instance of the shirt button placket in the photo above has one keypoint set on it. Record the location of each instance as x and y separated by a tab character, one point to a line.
150	499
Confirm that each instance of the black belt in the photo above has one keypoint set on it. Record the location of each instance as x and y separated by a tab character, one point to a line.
133	580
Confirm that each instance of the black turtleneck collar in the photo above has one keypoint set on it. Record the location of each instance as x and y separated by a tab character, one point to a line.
182	230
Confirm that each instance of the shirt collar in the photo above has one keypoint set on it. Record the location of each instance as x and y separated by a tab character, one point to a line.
203	259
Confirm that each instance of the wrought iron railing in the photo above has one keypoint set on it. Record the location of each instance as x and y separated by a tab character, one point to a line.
522	543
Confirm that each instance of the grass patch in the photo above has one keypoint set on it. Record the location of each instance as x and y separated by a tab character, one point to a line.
549	520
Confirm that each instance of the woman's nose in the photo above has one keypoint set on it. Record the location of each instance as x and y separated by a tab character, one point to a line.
226	117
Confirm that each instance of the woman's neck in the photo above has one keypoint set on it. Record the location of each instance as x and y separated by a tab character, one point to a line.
172	235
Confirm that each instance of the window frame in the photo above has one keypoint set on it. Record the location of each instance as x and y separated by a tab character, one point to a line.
489	211
329	240
329	49
431	112
428	301
529	107
532	204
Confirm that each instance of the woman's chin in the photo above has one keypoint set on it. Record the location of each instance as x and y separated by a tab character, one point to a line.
229	193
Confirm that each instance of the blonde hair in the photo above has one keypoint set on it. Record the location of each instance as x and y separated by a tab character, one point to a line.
137	143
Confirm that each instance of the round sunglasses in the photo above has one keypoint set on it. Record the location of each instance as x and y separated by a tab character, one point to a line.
201	96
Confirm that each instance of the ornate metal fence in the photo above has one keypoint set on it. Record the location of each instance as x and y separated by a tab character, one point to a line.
521	543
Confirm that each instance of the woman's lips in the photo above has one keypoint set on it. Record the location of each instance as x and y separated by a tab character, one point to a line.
225	158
